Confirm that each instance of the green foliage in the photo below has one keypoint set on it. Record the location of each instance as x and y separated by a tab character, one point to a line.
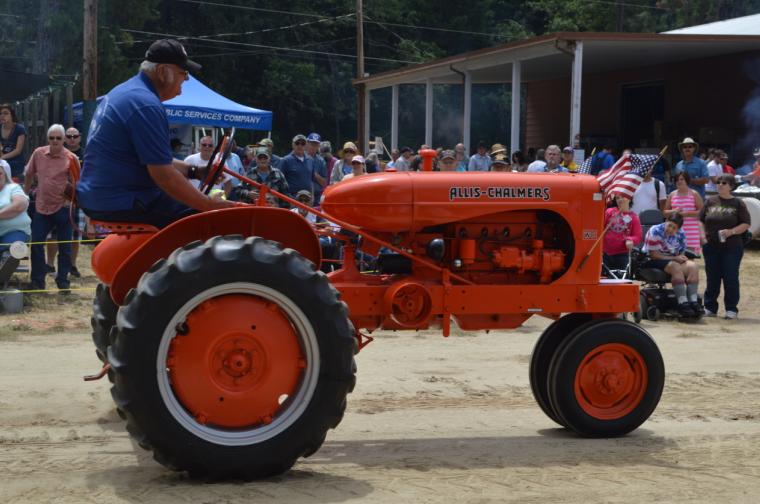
312	90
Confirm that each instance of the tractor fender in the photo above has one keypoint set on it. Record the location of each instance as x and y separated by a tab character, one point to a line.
276	224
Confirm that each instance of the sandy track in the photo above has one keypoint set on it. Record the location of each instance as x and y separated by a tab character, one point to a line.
431	420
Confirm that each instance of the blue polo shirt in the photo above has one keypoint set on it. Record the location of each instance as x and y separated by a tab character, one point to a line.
298	172
696	168
128	132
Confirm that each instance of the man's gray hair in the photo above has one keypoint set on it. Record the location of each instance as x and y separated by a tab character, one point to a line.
148	67
553	148
57	127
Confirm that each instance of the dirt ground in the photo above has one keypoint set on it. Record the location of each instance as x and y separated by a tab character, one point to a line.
431	420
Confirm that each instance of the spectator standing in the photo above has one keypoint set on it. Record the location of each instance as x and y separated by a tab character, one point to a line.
724	166
313	141
650	195
200	159
693	165
15	223
403	163
264	174
568	159
448	161
51	167
714	170
357	168
686	202
395	154
500	162
325	150
461	157
372	162
553	157
269	144
297	168
12	138
480	161
602	160
623	234
725	219
73	143
519	162
539	165
343	167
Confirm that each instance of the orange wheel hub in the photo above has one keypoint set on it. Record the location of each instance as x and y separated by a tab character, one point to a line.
235	361
610	381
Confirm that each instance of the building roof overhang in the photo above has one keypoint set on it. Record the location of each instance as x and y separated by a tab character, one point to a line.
550	56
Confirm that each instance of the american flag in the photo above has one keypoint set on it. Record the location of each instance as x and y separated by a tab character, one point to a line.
625	176
585	166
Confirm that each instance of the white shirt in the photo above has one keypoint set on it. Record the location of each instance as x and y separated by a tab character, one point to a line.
645	197
714	170
196	160
5	166
537	166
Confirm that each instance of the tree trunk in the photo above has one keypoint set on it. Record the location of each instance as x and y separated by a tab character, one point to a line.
45	49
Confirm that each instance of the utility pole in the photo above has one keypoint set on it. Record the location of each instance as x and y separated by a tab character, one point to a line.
620	17
360	88
90	70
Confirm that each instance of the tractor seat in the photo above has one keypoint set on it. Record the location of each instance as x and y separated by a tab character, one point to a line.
125	227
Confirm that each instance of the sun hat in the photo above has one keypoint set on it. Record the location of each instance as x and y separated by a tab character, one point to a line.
498	148
350	146
688	141
500	158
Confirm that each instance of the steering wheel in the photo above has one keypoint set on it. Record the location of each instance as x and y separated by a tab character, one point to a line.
212	171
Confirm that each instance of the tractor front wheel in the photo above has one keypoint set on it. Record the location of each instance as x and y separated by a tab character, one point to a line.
232	359
606	379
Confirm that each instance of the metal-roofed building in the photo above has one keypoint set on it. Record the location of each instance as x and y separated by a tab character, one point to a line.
628	89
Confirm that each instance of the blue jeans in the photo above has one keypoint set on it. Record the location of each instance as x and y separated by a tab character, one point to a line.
722	265
10	237
41	226
160	212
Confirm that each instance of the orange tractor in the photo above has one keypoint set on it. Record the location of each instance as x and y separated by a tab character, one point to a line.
231	354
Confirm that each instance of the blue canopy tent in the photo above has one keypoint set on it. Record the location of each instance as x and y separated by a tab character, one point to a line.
199	105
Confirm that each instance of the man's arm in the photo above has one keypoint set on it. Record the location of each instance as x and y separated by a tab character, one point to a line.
172	181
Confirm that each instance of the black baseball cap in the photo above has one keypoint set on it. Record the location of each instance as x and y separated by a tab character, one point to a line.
171	51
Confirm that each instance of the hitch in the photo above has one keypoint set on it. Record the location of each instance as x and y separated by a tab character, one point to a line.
362	340
100	374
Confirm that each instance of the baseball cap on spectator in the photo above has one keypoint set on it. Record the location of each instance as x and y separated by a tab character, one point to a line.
357	159
299	137
325	147
568	149
172	52
448	154
350	146
266	141
314	137
304	194
262	151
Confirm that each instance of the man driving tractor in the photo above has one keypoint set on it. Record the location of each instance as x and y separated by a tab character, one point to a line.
130	174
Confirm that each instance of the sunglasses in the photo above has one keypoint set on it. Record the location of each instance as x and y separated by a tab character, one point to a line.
723	182
72	136
299	142
207	145
55	138
349	151
688	147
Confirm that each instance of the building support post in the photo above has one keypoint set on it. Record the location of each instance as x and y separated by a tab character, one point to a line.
515	111
367	136
467	116
394	117
429	112
575	94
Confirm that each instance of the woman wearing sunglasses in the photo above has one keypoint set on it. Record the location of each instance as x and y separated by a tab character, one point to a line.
725	219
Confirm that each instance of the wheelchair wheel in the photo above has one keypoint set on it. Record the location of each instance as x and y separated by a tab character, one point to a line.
653	313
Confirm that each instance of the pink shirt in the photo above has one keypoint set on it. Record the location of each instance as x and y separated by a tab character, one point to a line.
52	172
625	226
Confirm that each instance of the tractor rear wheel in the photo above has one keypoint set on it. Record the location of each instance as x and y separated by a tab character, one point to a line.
232	359
103	319
606	379
545	348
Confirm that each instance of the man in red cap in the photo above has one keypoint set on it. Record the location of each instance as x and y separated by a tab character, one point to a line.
130	174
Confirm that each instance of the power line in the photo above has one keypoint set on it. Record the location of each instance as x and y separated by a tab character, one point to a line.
625	4
261	46
259	9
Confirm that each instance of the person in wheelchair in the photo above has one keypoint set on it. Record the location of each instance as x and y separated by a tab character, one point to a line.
623	233
665	245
